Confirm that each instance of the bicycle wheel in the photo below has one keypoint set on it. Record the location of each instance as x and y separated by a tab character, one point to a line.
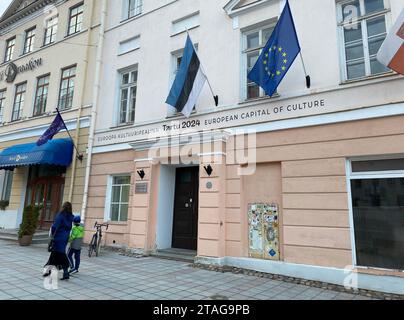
92	246
98	248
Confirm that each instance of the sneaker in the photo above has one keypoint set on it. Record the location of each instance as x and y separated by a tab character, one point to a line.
65	278
74	271
47	274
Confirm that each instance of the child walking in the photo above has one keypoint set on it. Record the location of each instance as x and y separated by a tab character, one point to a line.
76	241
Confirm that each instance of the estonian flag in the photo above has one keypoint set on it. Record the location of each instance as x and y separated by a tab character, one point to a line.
188	82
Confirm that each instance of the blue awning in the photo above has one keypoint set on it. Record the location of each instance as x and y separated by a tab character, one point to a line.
57	152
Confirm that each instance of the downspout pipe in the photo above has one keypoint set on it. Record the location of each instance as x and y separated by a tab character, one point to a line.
96	90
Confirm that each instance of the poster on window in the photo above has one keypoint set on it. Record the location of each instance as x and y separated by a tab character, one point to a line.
263	228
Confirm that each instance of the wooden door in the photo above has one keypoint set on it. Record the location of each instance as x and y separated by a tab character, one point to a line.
47	192
185	224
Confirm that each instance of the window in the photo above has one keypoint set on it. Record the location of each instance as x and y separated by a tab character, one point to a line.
185	23
134	8
76	19
129	45
2	104
19	101
67	88
41	95
10	46
128	90
5	188
120	190
377	195
29	41
363	28
254	42
51	29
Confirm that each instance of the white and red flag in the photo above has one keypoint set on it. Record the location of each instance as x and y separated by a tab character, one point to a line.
391	53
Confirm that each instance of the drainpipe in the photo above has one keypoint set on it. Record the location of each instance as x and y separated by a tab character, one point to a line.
96	90
77	133
74	166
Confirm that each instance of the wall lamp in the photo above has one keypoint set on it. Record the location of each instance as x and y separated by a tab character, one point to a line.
141	174
209	170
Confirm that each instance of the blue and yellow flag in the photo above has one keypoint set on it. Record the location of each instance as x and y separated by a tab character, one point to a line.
278	55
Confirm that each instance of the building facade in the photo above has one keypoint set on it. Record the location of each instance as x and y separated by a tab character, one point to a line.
307	183
47	54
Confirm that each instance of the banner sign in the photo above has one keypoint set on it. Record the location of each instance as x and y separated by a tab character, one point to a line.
211	121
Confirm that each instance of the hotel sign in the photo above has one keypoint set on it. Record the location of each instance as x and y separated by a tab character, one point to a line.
12	70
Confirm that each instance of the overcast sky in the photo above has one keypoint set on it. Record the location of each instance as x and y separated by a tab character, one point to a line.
3	5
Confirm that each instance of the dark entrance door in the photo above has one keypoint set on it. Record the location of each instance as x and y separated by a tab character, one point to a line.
185	225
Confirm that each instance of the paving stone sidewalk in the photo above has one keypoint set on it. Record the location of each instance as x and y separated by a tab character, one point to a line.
116	277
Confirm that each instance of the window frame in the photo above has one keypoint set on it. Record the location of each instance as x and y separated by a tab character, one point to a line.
362	20
2	104
350	176
21	102
42	96
245	51
108	198
127	9
128	87
53	28
75	17
7	185
8	56
29	38
62	78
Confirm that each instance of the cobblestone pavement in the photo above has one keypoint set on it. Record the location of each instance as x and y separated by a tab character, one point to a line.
116	277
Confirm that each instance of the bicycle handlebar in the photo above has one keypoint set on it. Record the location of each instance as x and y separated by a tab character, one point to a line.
100	225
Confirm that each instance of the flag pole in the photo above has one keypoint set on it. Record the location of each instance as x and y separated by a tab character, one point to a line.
308	79
79	156
215	97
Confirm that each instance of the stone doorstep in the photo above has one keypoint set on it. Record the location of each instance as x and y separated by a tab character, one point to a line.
299	281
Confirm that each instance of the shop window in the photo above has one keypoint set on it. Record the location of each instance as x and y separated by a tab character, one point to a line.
363	28
253	43
377	196
76	19
119	198
5	191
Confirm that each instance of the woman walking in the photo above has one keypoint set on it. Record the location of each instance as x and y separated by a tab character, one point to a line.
60	232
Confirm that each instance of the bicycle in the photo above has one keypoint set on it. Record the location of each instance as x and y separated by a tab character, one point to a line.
95	244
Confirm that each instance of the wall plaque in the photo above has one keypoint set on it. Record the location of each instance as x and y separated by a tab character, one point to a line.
141	187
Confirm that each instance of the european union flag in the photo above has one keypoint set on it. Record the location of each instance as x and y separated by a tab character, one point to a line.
278	55
57	125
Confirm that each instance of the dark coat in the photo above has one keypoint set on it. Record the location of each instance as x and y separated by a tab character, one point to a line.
61	231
